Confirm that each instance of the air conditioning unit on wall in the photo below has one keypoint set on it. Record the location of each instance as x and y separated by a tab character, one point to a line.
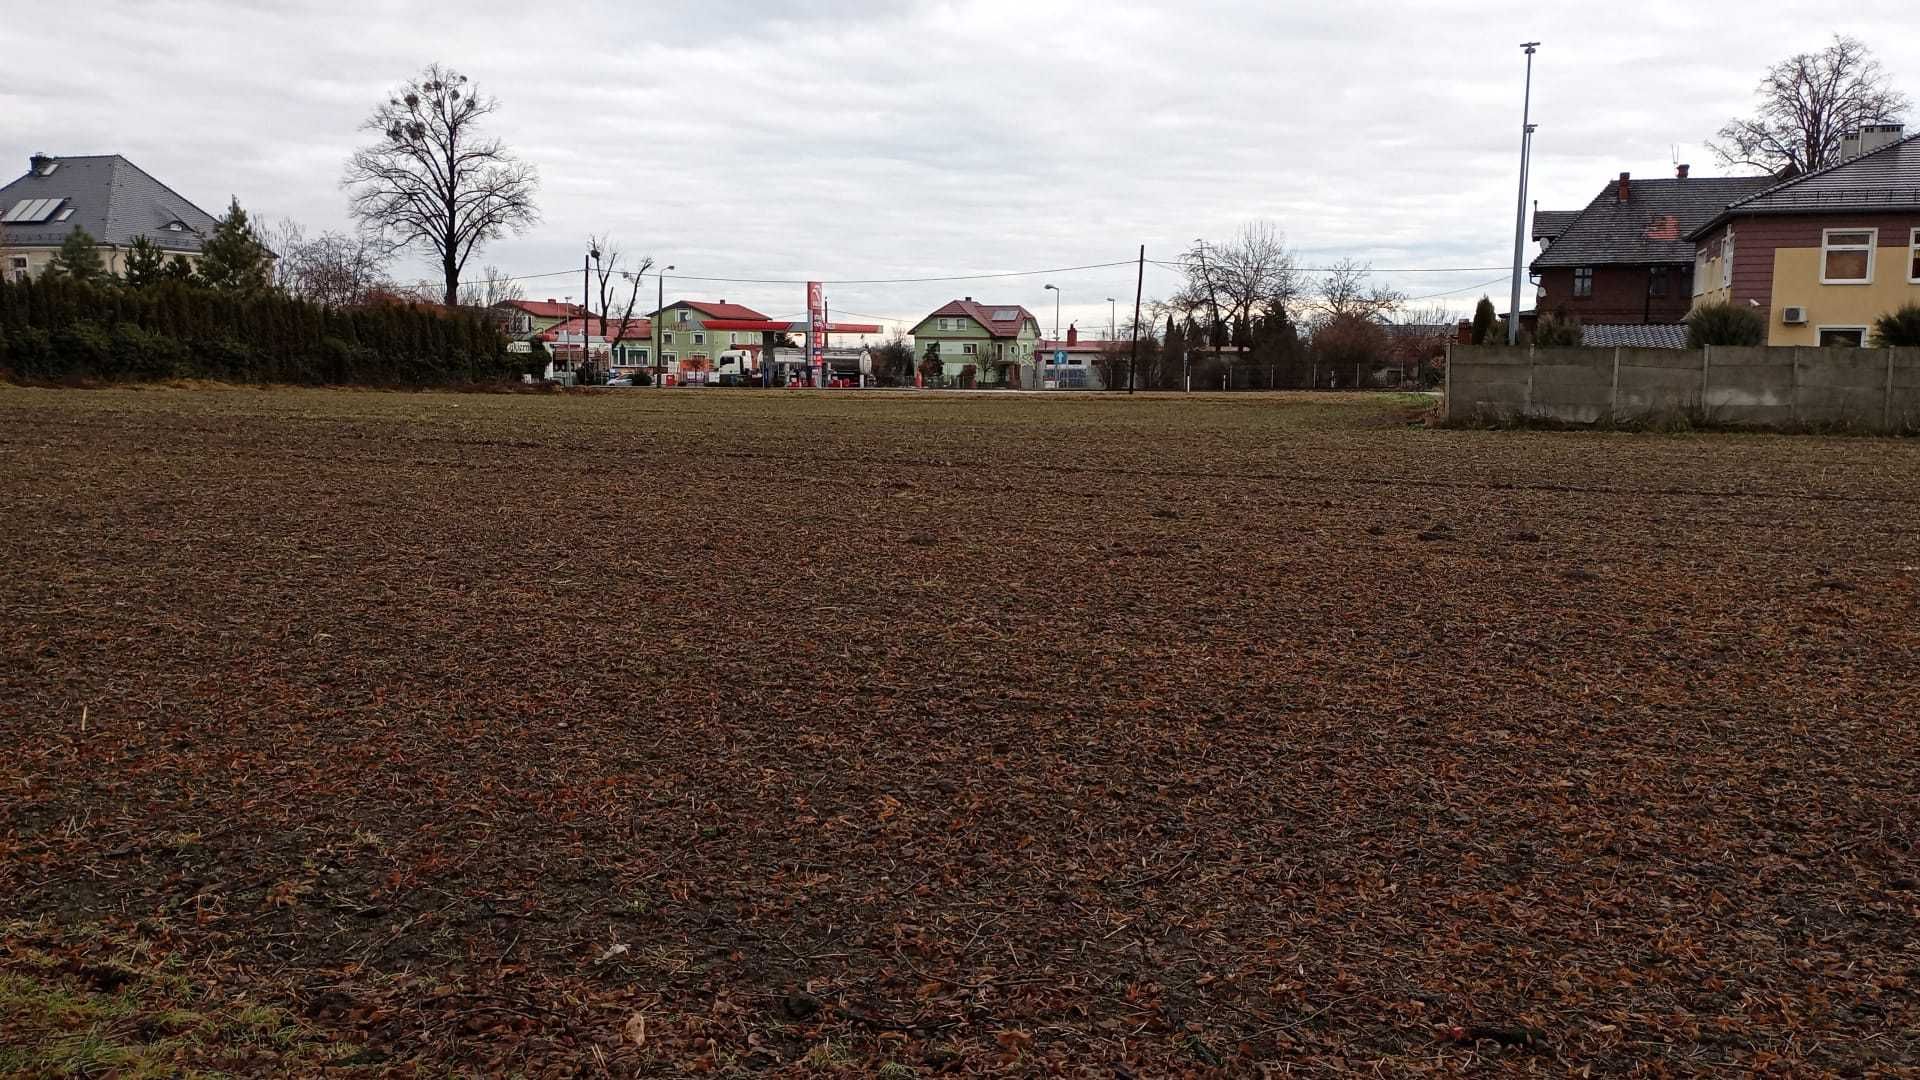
1793	316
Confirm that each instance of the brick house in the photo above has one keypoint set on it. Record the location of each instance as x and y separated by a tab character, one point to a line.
1625	259
1826	253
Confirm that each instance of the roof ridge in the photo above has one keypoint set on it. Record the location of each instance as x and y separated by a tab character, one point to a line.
1823	170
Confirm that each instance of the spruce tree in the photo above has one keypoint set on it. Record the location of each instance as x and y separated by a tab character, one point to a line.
233	260
145	264
78	258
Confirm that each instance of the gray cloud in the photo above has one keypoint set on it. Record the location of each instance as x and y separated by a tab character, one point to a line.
861	139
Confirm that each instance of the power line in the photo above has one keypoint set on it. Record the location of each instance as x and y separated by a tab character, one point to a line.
844	281
1365	269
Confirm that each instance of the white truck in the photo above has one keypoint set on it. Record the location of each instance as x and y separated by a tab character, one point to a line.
734	367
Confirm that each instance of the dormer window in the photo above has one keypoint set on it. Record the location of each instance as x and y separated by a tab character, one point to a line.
176	226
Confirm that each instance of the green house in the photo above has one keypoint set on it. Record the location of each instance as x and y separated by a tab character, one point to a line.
980	344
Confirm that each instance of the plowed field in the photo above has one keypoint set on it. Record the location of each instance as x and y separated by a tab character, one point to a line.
650	733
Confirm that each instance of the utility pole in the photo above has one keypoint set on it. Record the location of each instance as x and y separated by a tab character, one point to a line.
1113	319
659	313
1139	281
1520	211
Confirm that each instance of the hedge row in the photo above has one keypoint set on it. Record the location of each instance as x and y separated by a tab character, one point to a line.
59	329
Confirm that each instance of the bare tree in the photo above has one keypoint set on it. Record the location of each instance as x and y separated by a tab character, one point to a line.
494	287
1808	102
332	268
434	181
1347	291
610	275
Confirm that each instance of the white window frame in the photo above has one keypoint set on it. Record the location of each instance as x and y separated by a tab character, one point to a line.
1826	245
1913	258
1702	259
666	337
945	324
683	314
1726	259
699	338
1864	332
969	349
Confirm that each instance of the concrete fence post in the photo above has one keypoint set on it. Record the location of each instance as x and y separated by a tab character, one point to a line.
1613	403
1793	387
1706	361
1886	403
1527	409
1446	388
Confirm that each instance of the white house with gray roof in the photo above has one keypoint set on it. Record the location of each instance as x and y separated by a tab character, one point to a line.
113	199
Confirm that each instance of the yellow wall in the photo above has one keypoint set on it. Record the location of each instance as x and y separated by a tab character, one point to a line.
1796	283
112	259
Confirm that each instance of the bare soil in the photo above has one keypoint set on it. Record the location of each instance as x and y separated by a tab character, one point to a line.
654	732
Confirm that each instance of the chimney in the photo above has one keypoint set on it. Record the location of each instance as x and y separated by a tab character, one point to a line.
969	299
38	163
1626	189
1869	138
1680	171
1073	334
551	300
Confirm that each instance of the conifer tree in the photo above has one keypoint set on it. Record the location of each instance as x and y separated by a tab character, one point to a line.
233	259
78	258
145	264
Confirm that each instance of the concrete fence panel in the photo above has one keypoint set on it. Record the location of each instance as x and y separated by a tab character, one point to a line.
1781	387
1655	381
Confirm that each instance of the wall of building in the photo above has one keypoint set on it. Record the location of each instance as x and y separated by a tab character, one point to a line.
989	350
1621	294
688	354
1868	389
1776	265
112	259
1796	283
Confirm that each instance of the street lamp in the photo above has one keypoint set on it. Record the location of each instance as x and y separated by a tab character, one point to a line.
659	313
1113	319
1056	311
586	301
1520	212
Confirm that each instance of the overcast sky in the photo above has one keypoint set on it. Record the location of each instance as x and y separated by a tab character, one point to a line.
858	139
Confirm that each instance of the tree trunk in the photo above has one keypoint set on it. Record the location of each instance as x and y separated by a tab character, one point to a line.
452	271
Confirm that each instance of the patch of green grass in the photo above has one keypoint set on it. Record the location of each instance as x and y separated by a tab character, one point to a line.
65	1017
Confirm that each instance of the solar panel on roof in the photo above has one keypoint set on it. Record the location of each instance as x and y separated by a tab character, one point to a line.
1003	314
31	211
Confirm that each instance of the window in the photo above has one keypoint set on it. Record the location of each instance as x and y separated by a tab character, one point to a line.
1657	281
733	339
1846	256
1913	257
1726	259
1853	336
666	337
1701	258
945	325
699	338
681	315
667	358
1583	281
969	349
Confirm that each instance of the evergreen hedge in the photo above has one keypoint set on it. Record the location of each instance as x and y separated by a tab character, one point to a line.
59	329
